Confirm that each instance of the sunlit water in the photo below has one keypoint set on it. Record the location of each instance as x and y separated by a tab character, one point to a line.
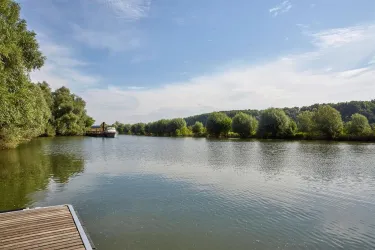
174	193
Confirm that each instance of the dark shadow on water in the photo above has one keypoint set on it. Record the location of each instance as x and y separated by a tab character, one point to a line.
31	167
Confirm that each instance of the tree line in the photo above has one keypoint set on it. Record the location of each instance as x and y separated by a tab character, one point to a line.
28	110
322	122
346	109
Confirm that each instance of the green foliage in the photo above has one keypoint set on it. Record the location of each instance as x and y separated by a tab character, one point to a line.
19	50
138	129
347	109
174	125
292	129
119	127
358	125
29	169
127	129
28	110
69	113
190	121
218	124
275	123
23	110
233	135
245	125
184	131
198	128
328	121
24	114
305	121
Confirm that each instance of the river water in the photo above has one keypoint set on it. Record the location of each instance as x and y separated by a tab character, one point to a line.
185	193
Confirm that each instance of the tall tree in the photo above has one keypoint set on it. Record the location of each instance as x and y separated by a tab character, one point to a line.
174	124
328	121
69	113
358	125
24	112
198	128
275	123
305	121
245	125
218	124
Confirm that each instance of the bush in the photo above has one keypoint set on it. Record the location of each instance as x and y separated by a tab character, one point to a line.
198	128
244	125
218	124
328	122
275	123
185	131
358	125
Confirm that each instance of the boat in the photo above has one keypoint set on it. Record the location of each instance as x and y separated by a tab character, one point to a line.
110	132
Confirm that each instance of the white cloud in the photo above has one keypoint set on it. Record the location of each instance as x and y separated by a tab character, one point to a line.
293	80
339	37
129	9
62	68
281	8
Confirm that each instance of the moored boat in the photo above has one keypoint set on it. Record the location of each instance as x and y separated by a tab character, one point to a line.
110	132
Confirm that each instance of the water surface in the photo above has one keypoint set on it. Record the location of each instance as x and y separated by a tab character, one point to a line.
175	193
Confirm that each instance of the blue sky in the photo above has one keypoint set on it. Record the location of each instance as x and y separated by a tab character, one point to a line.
143	60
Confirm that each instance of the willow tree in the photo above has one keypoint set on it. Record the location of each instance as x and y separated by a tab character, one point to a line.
198	128
69	113
358	125
275	123
245	125
24	112
328	121
218	124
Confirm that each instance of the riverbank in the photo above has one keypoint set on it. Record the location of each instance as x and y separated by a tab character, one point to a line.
343	138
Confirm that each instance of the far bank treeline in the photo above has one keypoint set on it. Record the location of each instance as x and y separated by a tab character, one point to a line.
314	122
28	110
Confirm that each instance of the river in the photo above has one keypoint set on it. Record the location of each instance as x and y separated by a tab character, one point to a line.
185	193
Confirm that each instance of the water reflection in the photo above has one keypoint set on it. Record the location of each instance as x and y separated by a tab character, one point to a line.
272	157
172	193
29	168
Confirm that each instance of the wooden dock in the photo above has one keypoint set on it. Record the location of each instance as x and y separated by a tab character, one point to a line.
56	227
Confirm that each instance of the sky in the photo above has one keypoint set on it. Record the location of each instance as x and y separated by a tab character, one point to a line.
143	60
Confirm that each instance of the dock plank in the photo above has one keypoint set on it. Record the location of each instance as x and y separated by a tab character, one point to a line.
43	228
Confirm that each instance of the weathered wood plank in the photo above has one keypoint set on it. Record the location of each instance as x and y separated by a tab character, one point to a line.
5	221
44	228
20	213
55	243
39	226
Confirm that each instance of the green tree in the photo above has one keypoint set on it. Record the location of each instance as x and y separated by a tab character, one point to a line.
174	124
138	129
218	124
161	127
275	123
127	129
358	125
305	121
328	121
47	94
292	128
184	131
24	112
119	127
198	128
245	125
69	113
